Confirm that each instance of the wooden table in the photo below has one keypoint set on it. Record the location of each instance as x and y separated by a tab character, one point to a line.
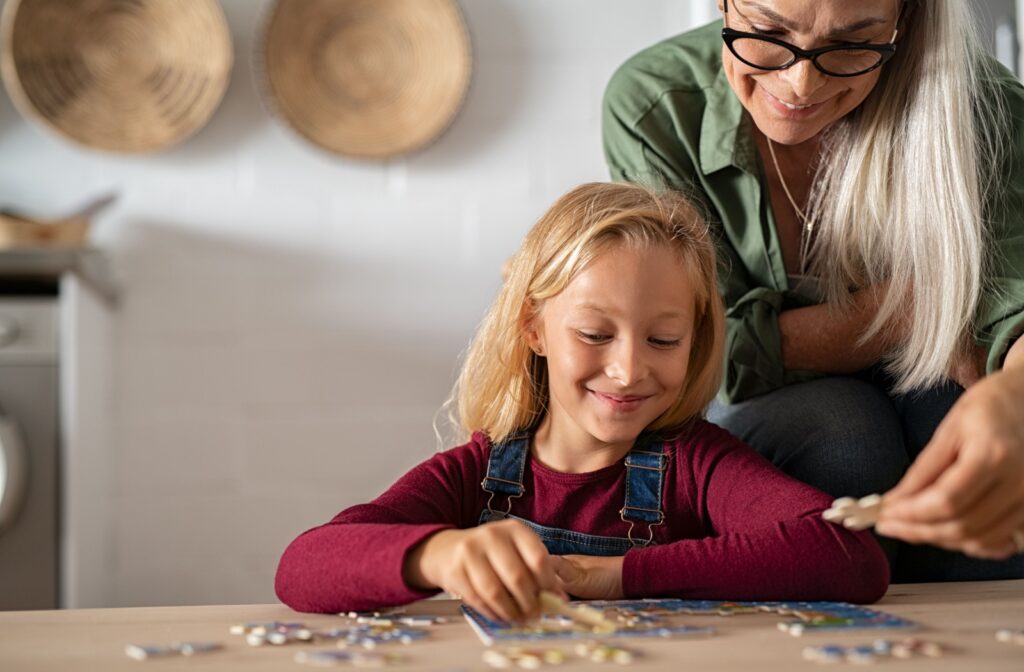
961	615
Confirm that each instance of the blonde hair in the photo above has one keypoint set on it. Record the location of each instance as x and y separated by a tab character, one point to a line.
899	196
502	387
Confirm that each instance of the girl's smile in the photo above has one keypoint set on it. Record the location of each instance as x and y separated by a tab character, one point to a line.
622	403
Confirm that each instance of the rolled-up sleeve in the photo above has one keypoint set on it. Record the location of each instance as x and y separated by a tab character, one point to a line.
1000	318
753	346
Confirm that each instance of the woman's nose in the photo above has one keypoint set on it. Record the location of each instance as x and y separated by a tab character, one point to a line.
803	79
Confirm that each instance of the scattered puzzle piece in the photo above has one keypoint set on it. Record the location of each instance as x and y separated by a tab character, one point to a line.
855	514
529	659
144	652
1009	636
354	658
600	652
866	654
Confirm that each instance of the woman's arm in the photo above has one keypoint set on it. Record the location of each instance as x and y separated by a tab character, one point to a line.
826	340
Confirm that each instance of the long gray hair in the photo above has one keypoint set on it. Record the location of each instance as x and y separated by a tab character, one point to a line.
900	193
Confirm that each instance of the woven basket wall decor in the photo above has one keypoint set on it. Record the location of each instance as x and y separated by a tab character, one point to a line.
366	78
117	75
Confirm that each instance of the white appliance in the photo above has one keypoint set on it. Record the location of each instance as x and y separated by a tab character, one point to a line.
29	493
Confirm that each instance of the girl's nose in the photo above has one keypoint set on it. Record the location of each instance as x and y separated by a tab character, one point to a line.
626	365
803	79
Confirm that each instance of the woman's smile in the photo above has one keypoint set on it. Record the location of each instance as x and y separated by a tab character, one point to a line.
793	110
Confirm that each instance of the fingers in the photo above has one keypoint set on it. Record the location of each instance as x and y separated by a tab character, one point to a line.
462	586
997	542
984	531
517	578
951	495
936	457
541	563
507	566
495	598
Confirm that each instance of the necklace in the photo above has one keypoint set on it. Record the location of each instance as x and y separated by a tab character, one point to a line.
808	225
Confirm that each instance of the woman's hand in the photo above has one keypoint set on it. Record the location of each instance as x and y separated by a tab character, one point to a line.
498	569
590	577
965	491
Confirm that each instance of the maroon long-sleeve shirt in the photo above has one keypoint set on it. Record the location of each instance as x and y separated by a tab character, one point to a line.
735	528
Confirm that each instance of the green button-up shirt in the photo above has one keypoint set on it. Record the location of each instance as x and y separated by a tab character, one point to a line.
671	119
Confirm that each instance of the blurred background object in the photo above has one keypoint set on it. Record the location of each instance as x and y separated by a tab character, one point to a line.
21	231
117	75
366	78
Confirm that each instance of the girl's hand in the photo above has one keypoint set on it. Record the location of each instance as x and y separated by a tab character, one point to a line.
498	568
965	492
590	577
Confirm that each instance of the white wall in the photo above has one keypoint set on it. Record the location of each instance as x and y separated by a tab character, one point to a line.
291	321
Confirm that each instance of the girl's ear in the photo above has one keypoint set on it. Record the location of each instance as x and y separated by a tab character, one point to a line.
530	326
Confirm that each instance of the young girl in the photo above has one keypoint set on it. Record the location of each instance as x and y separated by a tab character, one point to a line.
591	472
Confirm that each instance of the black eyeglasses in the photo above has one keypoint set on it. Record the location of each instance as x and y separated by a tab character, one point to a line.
841	60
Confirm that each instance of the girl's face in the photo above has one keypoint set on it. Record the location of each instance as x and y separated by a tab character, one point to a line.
796	104
617	342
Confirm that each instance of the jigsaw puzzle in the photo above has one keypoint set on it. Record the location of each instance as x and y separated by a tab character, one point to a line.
658	618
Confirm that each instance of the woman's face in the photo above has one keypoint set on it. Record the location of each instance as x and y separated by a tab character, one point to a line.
796	104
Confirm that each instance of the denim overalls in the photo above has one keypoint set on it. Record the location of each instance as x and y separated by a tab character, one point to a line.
645	471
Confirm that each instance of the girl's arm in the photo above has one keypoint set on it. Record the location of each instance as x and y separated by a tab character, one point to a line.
768	540
354	562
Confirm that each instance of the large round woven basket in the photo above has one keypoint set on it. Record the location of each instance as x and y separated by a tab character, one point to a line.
117	75
367	78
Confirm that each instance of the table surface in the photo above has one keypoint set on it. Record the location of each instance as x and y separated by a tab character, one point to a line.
964	616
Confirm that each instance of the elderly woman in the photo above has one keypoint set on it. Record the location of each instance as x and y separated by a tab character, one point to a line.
863	163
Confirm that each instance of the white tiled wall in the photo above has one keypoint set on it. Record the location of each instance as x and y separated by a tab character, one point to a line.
291	321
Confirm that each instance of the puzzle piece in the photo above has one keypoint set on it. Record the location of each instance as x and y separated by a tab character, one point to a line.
371	636
599	652
354	658
1008	636
865	654
855	514
529	659
144	652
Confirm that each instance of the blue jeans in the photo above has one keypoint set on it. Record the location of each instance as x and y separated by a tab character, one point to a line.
849	436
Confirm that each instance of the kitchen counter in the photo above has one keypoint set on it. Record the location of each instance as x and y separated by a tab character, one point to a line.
963	616
90	264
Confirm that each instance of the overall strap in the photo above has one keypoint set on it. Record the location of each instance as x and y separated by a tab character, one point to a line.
505	467
645	480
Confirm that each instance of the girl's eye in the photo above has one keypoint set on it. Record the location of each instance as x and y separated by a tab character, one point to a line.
592	337
665	342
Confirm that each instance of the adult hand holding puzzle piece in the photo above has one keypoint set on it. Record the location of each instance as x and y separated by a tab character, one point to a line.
966	490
